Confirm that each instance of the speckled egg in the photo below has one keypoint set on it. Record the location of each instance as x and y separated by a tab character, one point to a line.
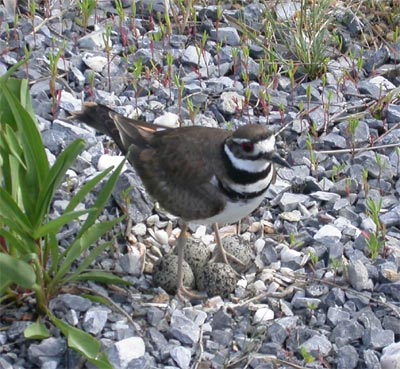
165	273
196	254
217	279
240	249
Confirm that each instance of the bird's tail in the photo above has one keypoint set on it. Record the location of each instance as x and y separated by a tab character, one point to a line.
99	117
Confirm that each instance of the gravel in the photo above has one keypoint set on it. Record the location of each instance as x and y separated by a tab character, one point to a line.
311	287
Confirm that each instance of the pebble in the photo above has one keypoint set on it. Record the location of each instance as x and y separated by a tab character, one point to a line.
139	229
121	353
390	358
184	329
263	315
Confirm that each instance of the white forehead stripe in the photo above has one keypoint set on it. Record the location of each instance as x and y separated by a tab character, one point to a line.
252	166
267	145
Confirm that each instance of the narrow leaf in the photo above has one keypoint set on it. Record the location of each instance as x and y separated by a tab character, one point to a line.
103	197
55	177
17	271
86	188
9	209
55	225
80	245
101	277
17	246
31	140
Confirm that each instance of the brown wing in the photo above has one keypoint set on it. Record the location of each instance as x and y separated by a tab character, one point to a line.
177	167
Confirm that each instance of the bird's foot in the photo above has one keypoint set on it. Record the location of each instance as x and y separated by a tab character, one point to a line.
221	256
184	294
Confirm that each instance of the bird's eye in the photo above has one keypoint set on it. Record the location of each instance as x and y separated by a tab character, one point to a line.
247	146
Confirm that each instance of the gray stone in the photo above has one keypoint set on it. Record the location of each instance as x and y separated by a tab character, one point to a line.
346	331
358	276
4	364
141	206
300	302
269	254
69	301
228	35
325	196
345	186
194	56
392	323
369	319
16	330
181	356
337	314
184	329
376	338
334	140
222	337
317	346
277	333
390	358
230	102
376	59
316	290
368	159
393	113
361	132
221	320
371	360
392	217
328	231
121	353
347	357
49	350
95	319
289	201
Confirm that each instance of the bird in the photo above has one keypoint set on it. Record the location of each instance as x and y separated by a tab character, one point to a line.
202	175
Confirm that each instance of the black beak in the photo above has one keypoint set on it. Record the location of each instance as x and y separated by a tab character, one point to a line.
275	158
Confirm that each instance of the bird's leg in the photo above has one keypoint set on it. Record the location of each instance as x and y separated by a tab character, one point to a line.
182	292
221	254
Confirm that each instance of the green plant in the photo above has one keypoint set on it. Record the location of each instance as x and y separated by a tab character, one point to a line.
351	131
313	157
31	262
335	265
53	66
192	110
86	8
305	35
375	240
365	181
107	45
32	13
381	167
180	85
307	357
313	258
337	171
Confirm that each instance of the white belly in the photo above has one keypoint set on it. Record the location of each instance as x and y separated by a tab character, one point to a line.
233	211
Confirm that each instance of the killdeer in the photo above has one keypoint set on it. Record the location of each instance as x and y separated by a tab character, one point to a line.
202	175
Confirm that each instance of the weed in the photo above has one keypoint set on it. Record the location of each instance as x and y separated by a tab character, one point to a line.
307	357
86	8
376	240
